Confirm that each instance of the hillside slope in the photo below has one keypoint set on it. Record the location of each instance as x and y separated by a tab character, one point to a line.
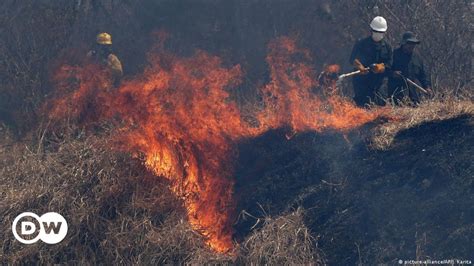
341	199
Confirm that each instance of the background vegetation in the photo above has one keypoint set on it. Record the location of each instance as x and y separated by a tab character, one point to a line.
34	33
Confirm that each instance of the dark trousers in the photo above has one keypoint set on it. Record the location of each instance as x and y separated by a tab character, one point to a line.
398	89
366	89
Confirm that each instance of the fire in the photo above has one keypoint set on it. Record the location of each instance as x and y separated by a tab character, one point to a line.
177	113
79	93
291	100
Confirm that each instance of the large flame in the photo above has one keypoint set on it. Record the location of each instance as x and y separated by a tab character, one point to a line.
177	113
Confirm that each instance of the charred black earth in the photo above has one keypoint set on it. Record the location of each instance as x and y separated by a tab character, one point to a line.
411	201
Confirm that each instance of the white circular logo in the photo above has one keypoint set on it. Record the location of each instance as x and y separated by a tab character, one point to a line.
51	228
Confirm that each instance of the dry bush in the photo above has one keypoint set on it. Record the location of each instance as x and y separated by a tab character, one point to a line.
35	34
283	240
32	32
407	116
116	211
443	28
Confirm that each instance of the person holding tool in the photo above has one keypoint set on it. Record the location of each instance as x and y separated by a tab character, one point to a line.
372	59
407	68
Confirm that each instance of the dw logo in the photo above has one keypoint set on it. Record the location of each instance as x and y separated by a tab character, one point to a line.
51	228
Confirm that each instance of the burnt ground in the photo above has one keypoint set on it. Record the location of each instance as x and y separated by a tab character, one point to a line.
411	201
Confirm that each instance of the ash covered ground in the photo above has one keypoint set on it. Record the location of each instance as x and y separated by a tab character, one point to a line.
363	205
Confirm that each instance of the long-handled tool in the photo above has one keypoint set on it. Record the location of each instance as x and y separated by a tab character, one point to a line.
353	73
411	82
350	74
416	85
346	75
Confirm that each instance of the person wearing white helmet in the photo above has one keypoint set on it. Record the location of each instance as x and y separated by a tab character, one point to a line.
373	57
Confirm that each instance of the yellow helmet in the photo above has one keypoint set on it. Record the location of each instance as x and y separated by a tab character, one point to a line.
104	38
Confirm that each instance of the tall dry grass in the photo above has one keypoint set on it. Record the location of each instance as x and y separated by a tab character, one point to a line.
117	212
442	106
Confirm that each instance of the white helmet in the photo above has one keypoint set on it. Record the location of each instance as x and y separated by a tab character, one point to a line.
379	24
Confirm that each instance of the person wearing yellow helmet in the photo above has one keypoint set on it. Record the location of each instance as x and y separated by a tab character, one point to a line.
102	54
104	39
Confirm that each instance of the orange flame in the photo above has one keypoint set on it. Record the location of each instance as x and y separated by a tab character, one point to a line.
177	113
290	99
180	118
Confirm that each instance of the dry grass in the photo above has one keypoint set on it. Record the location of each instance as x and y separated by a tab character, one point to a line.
283	240
117	212
430	110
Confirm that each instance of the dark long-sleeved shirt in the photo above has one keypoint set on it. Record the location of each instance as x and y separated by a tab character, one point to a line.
370	52
411	66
